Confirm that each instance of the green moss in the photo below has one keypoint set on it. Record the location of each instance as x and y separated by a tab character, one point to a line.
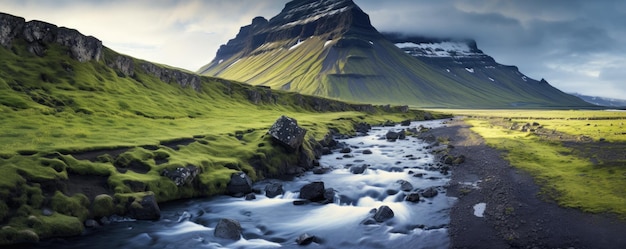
103	206
76	206
58	225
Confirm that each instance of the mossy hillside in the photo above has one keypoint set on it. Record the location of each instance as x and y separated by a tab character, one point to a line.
66	121
378	72
567	174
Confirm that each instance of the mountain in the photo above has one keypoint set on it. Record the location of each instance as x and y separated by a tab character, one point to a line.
329	48
601	101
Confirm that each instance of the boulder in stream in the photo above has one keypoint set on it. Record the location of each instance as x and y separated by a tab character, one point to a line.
239	185
430	192
274	189
383	213
313	191
358	169
228	229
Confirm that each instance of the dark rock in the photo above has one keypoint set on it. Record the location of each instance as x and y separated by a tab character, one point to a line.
250	196
392	136
239	184
326	151
383	213
105	221
90	223
301	202
329	195
305	239
402	134
396	169
413	197
286	131
369	221
274	189
430	192
404	185
147	208
345	150
228	229
419	175
313	191
367	152
182	175
321	170
392	191
362	127
405	122
358	169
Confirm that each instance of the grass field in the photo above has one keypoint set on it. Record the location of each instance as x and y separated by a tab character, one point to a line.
578	157
85	140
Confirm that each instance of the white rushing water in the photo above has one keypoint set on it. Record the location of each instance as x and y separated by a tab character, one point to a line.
277	222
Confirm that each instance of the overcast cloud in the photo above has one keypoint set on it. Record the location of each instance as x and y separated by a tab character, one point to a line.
576	45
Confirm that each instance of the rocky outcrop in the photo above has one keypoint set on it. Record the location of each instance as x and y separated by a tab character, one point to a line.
172	75
38	35
287	132
300	19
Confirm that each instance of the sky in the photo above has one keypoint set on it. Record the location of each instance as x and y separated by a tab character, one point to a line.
576	45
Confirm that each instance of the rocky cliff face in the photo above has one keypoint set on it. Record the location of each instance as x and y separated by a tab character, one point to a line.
298	21
38	35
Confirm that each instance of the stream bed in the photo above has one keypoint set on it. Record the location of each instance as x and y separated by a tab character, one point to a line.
344	223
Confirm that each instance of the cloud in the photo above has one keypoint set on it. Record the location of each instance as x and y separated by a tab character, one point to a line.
574	44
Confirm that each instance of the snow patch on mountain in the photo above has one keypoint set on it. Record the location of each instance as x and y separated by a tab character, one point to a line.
440	49
471	70
296	45
314	17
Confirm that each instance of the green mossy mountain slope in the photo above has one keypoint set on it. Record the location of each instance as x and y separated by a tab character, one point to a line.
329	49
88	139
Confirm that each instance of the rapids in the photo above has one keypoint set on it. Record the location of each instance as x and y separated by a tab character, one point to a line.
277	222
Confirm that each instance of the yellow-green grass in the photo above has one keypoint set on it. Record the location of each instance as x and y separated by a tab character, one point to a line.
595	124
571	180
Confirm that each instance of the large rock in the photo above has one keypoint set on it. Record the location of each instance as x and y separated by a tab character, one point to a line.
286	131
240	184
313	191
274	189
430	192
383	213
182	175
145	209
228	229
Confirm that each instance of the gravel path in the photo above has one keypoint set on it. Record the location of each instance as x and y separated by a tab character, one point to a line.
516	216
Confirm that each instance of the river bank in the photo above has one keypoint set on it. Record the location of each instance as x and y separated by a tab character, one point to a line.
515	215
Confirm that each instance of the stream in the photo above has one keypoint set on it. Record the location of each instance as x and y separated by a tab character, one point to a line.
277	222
